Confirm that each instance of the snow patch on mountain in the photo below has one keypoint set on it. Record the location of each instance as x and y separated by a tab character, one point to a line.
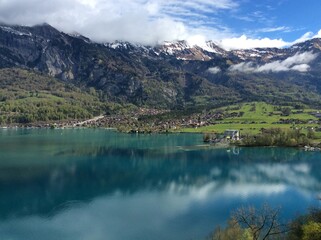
15	31
173	47
130	47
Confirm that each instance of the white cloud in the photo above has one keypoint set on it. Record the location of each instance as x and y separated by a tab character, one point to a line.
275	29
243	67
244	42
196	39
304	37
301	68
318	35
142	21
299	58
199	5
275	66
299	62
308	36
214	70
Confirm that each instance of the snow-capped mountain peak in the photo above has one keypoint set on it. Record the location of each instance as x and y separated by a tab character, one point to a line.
185	50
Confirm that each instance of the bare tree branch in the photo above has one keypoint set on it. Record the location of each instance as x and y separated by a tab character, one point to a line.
262	223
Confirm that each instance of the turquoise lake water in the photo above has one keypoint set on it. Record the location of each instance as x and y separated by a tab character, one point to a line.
95	184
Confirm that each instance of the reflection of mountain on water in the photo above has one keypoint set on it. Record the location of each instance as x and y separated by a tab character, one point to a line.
106	170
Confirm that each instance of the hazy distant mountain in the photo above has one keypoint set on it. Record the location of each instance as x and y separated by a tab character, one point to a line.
170	75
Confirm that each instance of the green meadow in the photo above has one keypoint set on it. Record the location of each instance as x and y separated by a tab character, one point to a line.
252	117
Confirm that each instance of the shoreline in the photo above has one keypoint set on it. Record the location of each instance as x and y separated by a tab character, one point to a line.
119	124
307	148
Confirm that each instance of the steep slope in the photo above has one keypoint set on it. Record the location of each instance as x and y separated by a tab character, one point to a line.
173	75
184	51
27	96
124	72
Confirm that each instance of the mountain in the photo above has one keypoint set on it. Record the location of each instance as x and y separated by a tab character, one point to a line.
183	51
172	75
27	97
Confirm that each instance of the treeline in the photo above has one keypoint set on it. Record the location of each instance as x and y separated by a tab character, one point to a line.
29	113
278	137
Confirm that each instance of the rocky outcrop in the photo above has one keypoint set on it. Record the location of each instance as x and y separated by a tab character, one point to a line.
172	75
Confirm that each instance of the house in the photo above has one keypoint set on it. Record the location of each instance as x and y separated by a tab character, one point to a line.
232	135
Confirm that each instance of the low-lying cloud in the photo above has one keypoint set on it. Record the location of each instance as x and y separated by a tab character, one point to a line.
299	62
245	42
214	70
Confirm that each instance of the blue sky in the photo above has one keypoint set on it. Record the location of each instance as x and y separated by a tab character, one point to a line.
287	19
230	23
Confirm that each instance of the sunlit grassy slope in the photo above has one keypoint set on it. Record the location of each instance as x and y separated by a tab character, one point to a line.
258	115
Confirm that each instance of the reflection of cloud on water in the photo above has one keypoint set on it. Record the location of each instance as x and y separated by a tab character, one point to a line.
215	172
113	217
141	187
168	214
228	190
293	174
303	168
85	181
249	190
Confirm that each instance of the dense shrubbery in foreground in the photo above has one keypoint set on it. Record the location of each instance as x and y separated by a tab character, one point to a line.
256	224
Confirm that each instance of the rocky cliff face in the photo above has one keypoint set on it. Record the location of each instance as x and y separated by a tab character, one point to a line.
42	48
174	74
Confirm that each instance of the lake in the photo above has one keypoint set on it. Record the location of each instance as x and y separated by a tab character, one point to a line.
97	184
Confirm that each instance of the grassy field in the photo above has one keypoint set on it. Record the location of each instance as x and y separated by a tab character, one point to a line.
252	117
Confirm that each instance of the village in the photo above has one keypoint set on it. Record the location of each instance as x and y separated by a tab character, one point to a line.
145	120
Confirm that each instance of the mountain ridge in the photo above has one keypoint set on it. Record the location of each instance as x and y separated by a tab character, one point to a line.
174	75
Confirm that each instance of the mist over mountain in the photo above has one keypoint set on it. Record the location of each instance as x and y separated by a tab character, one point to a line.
172	75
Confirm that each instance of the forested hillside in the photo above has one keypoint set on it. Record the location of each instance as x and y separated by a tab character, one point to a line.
28	97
